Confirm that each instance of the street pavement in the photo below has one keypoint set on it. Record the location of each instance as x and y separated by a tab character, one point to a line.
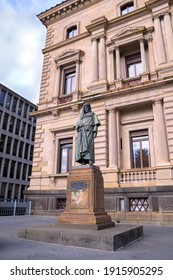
156	244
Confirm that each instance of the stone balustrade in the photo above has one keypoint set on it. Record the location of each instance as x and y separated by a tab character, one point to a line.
137	175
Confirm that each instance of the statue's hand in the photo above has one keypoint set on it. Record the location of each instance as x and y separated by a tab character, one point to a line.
94	134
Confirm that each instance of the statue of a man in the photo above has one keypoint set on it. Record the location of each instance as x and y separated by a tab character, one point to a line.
87	127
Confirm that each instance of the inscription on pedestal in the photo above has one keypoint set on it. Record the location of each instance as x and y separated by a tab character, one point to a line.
79	194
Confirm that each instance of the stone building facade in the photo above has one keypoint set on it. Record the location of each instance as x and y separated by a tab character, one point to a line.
117	55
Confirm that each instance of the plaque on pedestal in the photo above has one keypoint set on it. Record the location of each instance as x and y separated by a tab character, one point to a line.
85	200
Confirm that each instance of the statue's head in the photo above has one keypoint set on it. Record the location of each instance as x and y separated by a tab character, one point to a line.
87	108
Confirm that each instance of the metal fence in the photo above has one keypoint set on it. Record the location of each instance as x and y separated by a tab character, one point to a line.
11	207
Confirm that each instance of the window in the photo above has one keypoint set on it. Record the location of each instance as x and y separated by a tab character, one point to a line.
6	164
71	32
8	101
18	173
139	204
127	8
23	129
20	107
65	160
68	74
5	122
9	144
11	126
15	146
140	149
69	83
21	149
2	96
133	65
17	126
25	112
14	104
2	142
12	169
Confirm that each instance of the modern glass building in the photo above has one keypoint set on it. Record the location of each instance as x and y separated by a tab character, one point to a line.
17	133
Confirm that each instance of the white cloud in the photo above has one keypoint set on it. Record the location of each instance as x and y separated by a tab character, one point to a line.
22	37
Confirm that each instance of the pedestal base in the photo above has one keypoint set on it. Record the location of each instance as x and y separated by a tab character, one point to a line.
85	200
109	239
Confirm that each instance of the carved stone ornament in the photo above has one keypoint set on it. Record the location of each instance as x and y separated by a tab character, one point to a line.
55	112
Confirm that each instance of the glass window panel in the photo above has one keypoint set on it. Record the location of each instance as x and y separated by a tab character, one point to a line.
11	126
65	155
2	142
9	142
8	101
5	121
64	161
140	151
14	106
71	32
20	107
2	96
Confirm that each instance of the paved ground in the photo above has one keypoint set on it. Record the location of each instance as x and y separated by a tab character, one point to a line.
157	244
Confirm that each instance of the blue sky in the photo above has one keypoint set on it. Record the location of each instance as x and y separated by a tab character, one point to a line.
22	38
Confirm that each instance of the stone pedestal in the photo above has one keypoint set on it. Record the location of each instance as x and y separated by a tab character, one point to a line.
85	200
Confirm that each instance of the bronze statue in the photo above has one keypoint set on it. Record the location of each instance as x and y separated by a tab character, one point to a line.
87	127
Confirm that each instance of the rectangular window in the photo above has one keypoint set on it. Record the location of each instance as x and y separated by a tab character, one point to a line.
12	169
8	101
65	159
140	149
15	146
20	107
2	142
133	65
5	121
11	126
2	96
14	106
17	126
9	142
69	80
6	164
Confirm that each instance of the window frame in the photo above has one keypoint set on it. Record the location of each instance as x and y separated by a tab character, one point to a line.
71	32
62	147
125	7
67	78
69	27
133	60
141	136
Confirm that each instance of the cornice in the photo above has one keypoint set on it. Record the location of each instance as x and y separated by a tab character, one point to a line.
64	9
74	106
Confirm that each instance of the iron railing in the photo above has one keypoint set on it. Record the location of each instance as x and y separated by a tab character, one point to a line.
12	207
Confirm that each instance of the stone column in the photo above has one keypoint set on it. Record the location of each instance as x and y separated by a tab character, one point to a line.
161	56
161	144
118	66
143	58
102	59
112	69
151	53
169	34
113	141
95	60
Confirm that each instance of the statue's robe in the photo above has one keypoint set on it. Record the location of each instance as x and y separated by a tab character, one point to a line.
86	126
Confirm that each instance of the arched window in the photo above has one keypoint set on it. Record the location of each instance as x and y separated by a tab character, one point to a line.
127	8
71	32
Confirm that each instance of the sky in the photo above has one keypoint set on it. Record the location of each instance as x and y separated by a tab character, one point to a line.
22	38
